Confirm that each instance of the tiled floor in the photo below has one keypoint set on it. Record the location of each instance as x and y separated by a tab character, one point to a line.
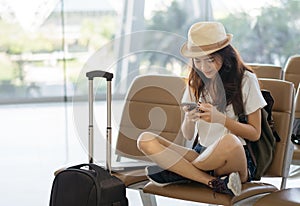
34	144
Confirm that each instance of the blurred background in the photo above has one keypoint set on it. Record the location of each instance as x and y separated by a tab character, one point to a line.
45	43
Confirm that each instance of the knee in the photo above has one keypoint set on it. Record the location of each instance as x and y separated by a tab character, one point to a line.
146	141
231	142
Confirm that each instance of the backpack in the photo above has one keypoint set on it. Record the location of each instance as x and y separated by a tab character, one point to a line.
296	131
262	150
87	185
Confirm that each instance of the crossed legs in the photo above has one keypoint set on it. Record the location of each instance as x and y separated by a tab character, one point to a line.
224	156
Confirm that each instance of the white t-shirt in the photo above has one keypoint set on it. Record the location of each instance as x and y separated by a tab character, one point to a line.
252	99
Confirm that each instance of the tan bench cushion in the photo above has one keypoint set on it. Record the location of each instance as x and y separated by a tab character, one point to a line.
200	193
130	177
287	197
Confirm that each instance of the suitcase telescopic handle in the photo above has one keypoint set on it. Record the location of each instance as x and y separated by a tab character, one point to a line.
98	73
91	75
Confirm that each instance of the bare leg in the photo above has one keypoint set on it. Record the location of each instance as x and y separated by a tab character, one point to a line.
224	156
172	157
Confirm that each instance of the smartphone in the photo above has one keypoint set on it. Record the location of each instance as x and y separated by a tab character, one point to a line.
191	105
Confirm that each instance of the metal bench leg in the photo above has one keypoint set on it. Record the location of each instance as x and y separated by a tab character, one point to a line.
148	199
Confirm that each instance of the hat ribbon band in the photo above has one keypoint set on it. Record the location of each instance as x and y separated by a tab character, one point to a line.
217	45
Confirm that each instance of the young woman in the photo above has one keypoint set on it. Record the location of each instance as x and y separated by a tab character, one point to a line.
219	82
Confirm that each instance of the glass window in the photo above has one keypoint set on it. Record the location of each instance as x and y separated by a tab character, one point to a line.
264	31
45	44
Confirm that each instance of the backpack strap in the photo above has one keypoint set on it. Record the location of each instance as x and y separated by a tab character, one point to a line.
195	141
270	102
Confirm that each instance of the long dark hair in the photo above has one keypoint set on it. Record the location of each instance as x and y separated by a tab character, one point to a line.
231	75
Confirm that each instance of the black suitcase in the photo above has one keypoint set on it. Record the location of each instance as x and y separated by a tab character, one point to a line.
89	184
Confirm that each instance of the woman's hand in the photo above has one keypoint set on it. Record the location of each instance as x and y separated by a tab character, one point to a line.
191	115
209	113
188	125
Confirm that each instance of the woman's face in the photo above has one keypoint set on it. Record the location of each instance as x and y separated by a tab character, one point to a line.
208	65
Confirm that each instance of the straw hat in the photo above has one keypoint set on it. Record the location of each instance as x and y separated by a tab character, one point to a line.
205	38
